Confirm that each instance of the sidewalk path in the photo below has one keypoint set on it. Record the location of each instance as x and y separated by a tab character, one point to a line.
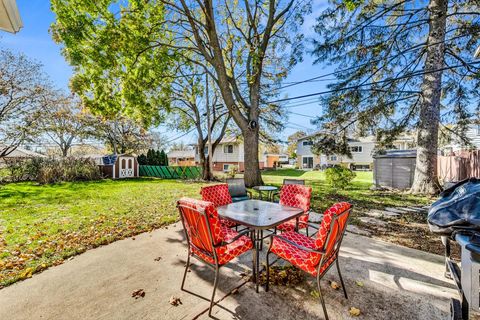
398	283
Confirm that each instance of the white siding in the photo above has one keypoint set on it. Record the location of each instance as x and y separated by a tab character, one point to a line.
303	150
220	156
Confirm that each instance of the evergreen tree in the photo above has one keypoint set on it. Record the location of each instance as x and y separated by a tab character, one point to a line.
403	65
163	158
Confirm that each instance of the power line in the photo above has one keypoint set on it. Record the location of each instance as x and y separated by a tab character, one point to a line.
316	78
411	74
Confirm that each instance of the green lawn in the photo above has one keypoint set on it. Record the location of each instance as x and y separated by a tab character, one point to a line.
359	193
41	226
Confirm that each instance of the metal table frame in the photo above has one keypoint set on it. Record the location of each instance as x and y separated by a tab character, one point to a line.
243	216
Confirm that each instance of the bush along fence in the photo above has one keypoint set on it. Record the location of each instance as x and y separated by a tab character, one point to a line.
171	172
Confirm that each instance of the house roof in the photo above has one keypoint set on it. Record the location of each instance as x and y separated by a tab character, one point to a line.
24	153
181	154
230	139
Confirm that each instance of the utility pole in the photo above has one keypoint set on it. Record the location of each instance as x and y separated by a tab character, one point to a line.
209	129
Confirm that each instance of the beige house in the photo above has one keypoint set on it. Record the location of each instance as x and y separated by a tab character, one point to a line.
362	150
181	158
230	152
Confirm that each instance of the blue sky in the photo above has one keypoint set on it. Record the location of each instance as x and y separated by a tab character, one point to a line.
35	41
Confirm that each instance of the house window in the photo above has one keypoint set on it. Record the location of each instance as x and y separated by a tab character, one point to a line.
478	130
356	149
205	151
333	158
308	143
226	167
228	148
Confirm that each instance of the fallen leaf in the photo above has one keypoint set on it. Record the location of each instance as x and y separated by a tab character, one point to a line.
27	273
334	285
139	293
133	238
157	259
175	301
315	294
359	283
355	312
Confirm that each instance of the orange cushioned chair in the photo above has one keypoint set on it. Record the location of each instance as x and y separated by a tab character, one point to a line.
314	255
219	195
298	196
209	240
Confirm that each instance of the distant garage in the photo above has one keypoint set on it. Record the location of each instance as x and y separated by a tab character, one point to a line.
394	169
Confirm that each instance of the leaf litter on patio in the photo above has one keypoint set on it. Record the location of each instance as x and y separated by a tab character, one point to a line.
139	293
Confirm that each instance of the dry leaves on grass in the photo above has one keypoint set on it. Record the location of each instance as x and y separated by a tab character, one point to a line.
139	293
175	301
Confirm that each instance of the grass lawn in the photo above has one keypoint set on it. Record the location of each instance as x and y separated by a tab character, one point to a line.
359	193
41	226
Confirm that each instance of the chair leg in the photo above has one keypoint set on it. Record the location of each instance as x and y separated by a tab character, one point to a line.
186	270
341	279
321	299
215	283
268	272
307	230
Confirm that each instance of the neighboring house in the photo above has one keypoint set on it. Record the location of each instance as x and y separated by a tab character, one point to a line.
272	160
362	150
472	134
181	158
230	152
20	154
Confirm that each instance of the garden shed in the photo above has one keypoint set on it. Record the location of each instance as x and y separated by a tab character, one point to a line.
120	166
394	169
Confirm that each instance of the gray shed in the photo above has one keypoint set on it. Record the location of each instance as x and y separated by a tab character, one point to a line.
394	169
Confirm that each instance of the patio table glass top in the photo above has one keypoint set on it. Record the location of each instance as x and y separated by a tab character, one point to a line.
258	214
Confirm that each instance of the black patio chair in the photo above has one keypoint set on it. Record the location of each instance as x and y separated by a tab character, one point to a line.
293	181
237	190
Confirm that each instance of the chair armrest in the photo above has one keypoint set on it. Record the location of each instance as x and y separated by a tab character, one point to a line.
239	235
297	245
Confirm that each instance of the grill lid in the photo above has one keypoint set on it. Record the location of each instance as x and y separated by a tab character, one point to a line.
457	208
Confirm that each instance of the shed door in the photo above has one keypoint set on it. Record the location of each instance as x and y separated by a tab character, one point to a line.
126	167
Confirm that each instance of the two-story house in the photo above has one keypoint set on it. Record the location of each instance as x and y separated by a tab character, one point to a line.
361	148
230	152
472	134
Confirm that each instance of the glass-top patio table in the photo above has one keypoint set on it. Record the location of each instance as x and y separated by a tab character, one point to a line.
258	215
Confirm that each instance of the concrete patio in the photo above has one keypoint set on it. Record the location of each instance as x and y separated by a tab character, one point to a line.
398	283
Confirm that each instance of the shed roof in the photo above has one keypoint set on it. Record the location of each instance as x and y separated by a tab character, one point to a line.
397	154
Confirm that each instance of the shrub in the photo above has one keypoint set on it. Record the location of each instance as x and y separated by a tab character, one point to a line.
232	171
339	177
49	170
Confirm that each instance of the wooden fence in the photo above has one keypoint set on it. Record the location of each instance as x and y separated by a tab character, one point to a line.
171	172
463	165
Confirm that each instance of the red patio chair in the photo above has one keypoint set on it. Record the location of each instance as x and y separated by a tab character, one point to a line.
314	255
219	195
208	240
298	196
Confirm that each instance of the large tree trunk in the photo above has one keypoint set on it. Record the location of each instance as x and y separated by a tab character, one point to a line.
204	162
252	173
426	179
